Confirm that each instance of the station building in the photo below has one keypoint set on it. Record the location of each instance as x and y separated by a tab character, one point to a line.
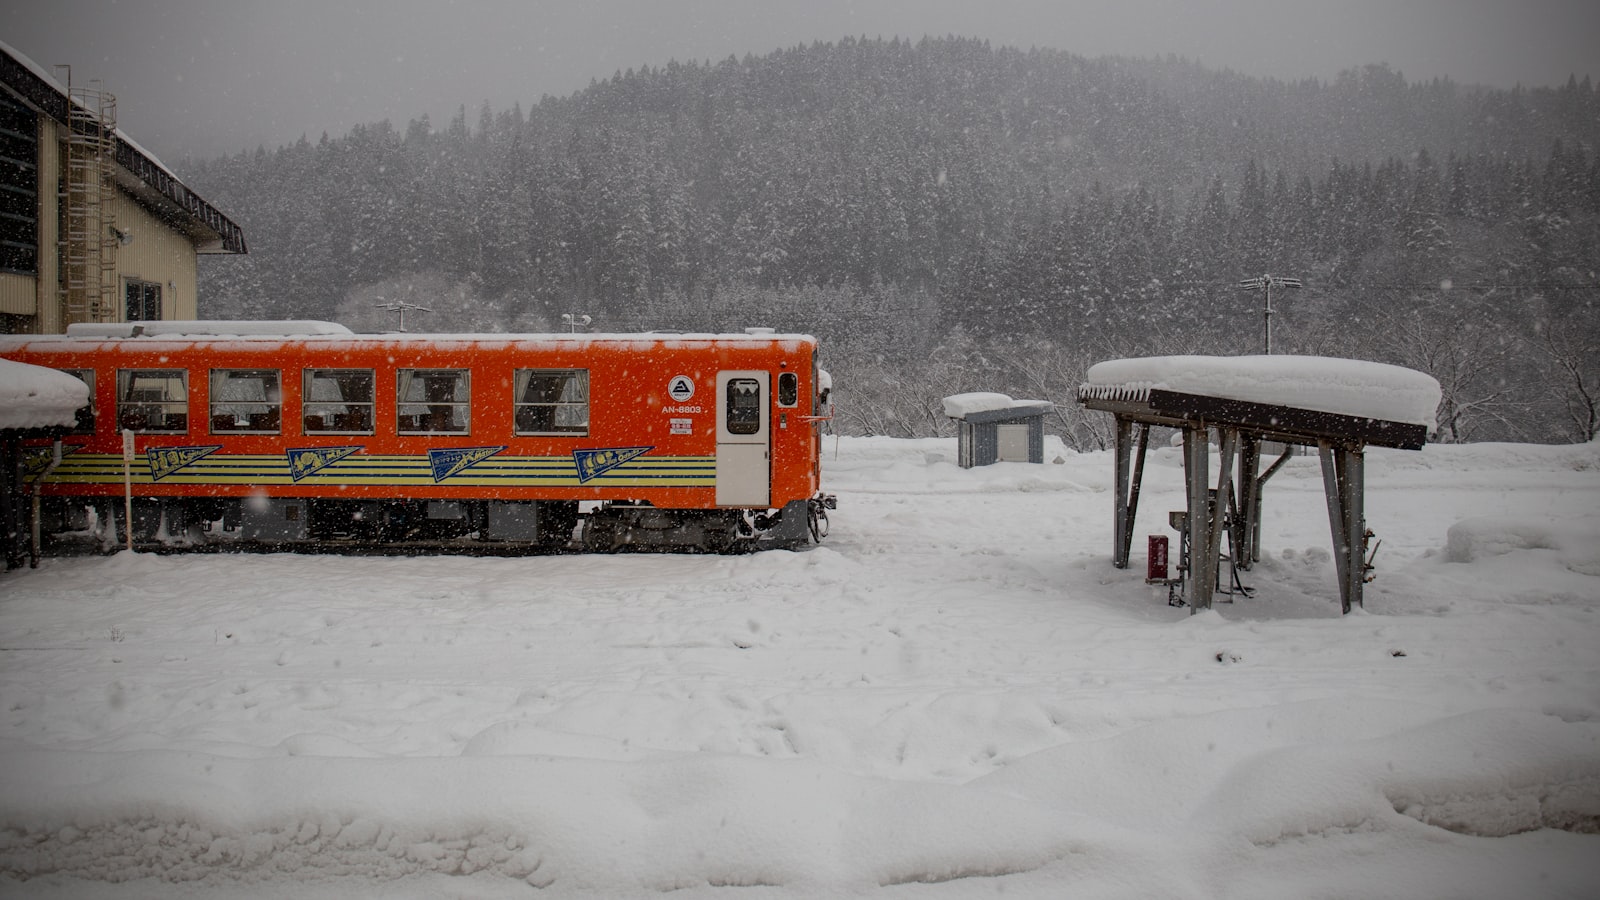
93	228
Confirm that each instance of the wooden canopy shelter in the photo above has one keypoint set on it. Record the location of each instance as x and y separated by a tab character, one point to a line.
1191	394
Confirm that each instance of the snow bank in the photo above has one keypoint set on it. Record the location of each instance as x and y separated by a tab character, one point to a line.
1344	386
1574	543
37	397
956	696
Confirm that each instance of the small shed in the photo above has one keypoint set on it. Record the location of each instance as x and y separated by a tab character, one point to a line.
994	428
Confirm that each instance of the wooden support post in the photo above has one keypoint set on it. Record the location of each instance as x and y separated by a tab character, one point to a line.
1221	497
1129	478
1343	478
1200	579
1247	526
11	498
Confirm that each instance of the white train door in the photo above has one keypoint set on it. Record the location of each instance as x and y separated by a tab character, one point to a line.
743	439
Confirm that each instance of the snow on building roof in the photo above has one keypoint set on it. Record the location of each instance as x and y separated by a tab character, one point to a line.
36	397
1347	387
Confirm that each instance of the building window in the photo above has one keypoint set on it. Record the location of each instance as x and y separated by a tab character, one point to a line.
245	401
153	401
84	423
434	401
337	401
19	187
552	401
144	301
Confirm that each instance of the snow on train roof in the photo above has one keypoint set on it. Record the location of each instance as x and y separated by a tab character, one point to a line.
209	327
214	331
37	397
1347	387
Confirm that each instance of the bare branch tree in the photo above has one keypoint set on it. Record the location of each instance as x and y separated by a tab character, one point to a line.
1575	359
1469	359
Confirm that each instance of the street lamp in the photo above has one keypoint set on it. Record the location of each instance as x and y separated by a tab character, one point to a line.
573	322
1265	284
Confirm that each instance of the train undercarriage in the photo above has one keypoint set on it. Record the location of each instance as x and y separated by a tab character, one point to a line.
485	526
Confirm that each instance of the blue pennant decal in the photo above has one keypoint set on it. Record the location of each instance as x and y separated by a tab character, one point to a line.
36	459
592	463
450	462
166	460
310	460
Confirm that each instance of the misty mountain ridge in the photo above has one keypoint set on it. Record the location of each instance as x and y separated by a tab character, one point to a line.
950	216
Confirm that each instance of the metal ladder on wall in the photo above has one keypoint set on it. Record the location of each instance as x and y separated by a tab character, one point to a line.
88	242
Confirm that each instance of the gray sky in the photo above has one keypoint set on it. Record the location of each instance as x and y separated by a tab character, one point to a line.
207	77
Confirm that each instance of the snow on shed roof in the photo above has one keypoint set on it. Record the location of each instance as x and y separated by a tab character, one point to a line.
36	397
961	406
1347	387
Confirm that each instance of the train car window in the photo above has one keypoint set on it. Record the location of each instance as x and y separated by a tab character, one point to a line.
744	406
434	401
246	401
788	389
552	401
153	401
337	401
83	422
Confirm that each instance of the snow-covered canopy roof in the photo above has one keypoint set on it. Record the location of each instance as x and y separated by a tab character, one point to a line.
36	397
1346	387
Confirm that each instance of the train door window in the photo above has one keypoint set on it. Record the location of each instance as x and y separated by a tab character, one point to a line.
153	401
434	401
744	406
552	401
337	401
84	418
245	401
788	389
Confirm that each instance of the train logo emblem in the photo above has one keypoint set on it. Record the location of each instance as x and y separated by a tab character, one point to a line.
309	460
680	388
451	461
166	460
593	463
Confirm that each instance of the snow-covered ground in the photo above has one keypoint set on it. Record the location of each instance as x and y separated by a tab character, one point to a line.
955	696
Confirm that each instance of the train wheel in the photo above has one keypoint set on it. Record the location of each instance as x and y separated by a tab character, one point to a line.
599	534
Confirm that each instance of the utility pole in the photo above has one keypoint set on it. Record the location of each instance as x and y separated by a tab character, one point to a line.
1265	284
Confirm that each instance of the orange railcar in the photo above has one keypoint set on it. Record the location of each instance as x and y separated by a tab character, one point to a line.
305	432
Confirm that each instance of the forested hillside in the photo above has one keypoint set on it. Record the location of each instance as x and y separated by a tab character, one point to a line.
951	216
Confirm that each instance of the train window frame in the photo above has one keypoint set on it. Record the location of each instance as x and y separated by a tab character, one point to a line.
743	417
83	419
249	415
129	407
788	392
356	416
526	415
423	423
